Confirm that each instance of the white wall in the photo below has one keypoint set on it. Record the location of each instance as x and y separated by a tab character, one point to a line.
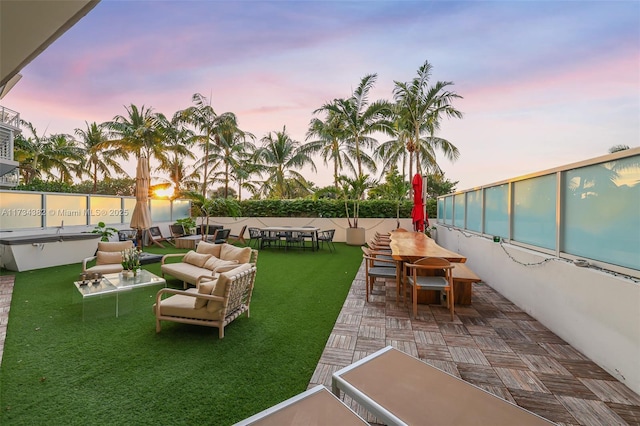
594	311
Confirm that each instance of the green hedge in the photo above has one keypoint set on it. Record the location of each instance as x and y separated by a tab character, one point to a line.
328	208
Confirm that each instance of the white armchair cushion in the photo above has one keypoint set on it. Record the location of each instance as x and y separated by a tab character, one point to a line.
204	288
196	259
114	246
182	306
108	258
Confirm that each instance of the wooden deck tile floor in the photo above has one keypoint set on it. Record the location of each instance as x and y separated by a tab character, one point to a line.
491	344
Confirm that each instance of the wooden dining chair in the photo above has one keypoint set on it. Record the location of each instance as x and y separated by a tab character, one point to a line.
378	267
423	275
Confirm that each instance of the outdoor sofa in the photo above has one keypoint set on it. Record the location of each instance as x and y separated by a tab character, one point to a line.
207	261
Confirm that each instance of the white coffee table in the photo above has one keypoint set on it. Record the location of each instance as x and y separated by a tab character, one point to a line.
116	284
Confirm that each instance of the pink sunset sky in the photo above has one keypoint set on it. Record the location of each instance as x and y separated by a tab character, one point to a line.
543	83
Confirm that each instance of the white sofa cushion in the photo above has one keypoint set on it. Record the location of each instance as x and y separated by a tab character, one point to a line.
196	259
185	272
220	265
209	248
231	252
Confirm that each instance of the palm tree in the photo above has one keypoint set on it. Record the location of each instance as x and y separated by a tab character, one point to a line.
205	120
64	156
420	108
140	132
279	156
234	147
178	141
243	171
39	155
330	143
98	160
361	119
394	151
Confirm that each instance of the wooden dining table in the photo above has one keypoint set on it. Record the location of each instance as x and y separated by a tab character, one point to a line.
407	247
411	246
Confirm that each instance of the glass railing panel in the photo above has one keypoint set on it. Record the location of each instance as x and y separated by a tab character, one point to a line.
496	214
602	212
474	210
20	210
70	209
105	209
534	211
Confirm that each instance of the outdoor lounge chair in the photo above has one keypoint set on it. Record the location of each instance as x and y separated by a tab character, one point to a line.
108	257
238	238
177	231
156	237
214	303
220	236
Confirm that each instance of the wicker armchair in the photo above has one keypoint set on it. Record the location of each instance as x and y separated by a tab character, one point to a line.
214	303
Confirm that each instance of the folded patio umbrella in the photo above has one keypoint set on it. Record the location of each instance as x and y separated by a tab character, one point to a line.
141	217
417	213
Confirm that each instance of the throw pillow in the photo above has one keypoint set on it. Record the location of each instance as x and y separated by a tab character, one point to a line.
231	252
196	259
114	246
108	257
204	288
209	248
220	265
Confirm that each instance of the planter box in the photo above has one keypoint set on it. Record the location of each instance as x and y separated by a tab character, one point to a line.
356	236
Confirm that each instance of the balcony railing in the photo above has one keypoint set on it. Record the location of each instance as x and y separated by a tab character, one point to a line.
586	210
10	118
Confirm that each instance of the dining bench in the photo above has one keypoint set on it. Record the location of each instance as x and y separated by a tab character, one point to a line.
463	279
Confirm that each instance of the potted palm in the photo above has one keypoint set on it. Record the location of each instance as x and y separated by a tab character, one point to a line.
207	207
105	231
353	190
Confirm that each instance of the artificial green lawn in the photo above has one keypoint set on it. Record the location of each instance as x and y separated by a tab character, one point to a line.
58	369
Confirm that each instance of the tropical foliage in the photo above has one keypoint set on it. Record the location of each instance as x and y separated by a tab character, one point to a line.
197	149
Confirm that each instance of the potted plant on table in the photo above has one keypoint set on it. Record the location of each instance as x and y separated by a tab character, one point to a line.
130	262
